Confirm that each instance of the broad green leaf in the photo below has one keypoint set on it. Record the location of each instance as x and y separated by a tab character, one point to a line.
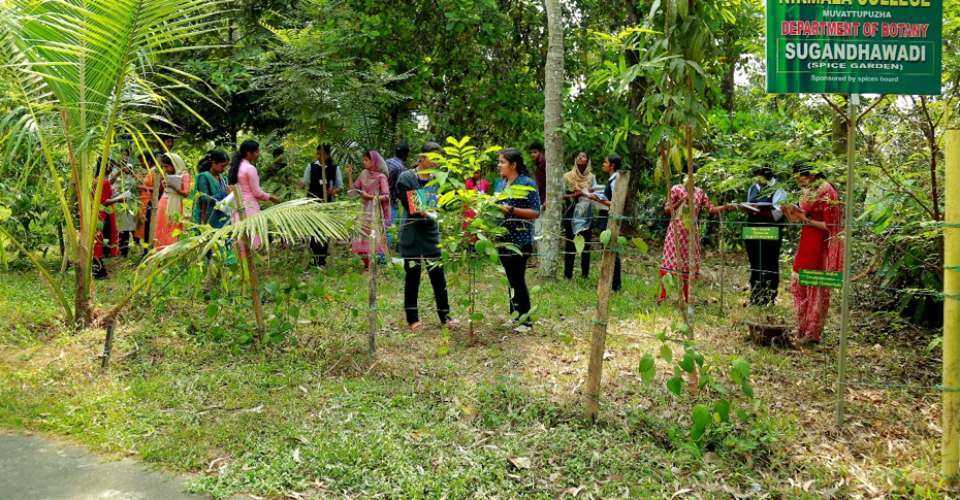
647	368
701	419
579	243
605	237
675	384
722	409
666	353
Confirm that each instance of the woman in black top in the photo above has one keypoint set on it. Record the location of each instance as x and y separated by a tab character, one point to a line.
519	212
419	245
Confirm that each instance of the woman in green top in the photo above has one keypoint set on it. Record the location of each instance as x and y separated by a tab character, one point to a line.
211	188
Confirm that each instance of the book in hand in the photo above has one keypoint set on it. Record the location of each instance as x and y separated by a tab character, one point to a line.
422	201
175	181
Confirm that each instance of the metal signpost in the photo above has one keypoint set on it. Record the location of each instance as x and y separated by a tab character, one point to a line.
852	47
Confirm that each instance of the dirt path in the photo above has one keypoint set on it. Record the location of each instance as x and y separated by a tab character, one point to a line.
32	467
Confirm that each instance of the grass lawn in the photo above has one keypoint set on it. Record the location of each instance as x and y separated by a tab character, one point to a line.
313	415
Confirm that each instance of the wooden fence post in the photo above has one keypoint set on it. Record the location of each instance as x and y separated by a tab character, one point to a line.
599	335
372	256
950	445
246	251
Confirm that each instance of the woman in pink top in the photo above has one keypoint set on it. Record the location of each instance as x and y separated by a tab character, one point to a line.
244	176
374	189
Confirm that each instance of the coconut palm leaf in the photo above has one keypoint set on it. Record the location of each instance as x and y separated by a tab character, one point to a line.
289	222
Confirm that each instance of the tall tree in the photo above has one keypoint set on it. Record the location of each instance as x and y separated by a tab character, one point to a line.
553	140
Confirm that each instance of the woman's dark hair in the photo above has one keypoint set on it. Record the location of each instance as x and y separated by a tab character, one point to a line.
166	160
807	168
535	145
215	156
402	150
615	160
325	148
764	171
430	147
247	147
513	155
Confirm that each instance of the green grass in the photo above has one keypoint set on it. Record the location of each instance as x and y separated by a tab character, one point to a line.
431	415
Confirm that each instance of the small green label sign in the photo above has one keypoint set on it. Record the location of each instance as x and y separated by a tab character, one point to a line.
761	233
823	279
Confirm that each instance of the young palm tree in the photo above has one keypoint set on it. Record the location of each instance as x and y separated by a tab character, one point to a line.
83	71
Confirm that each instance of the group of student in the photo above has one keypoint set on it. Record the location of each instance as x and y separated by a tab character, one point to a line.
384	185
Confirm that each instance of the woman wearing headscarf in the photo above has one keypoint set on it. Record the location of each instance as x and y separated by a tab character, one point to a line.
677	245
373	187
820	249
577	213
170	206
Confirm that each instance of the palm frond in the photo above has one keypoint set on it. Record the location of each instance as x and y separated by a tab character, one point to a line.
293	221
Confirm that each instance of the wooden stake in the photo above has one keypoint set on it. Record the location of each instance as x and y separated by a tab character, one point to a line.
107	344
372	257
852	120
246	251
950	445
604	286
693	240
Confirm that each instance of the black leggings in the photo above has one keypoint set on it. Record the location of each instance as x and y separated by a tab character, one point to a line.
320	249
515	266
411	288
570	252
764	258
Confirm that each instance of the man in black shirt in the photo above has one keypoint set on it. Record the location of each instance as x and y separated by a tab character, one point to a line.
323	181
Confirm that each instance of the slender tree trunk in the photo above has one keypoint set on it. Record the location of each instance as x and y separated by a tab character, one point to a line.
599	334
373	242
83	312
549	248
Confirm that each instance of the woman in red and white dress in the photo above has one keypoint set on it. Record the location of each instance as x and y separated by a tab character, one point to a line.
676	245
820	249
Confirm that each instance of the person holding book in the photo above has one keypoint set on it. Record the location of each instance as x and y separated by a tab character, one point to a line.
374	190
419	239
764	199
820	248
211	189
519	202
611	167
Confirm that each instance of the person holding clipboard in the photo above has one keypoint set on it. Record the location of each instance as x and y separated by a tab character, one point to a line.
419	239
764	200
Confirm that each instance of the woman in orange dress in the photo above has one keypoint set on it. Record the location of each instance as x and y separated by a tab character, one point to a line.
170	206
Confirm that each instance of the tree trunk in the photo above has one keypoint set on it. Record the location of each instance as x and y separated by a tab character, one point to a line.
604	285
83	311
549	248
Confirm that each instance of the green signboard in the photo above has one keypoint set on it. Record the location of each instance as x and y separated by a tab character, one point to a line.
823	279
854	46
761	233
